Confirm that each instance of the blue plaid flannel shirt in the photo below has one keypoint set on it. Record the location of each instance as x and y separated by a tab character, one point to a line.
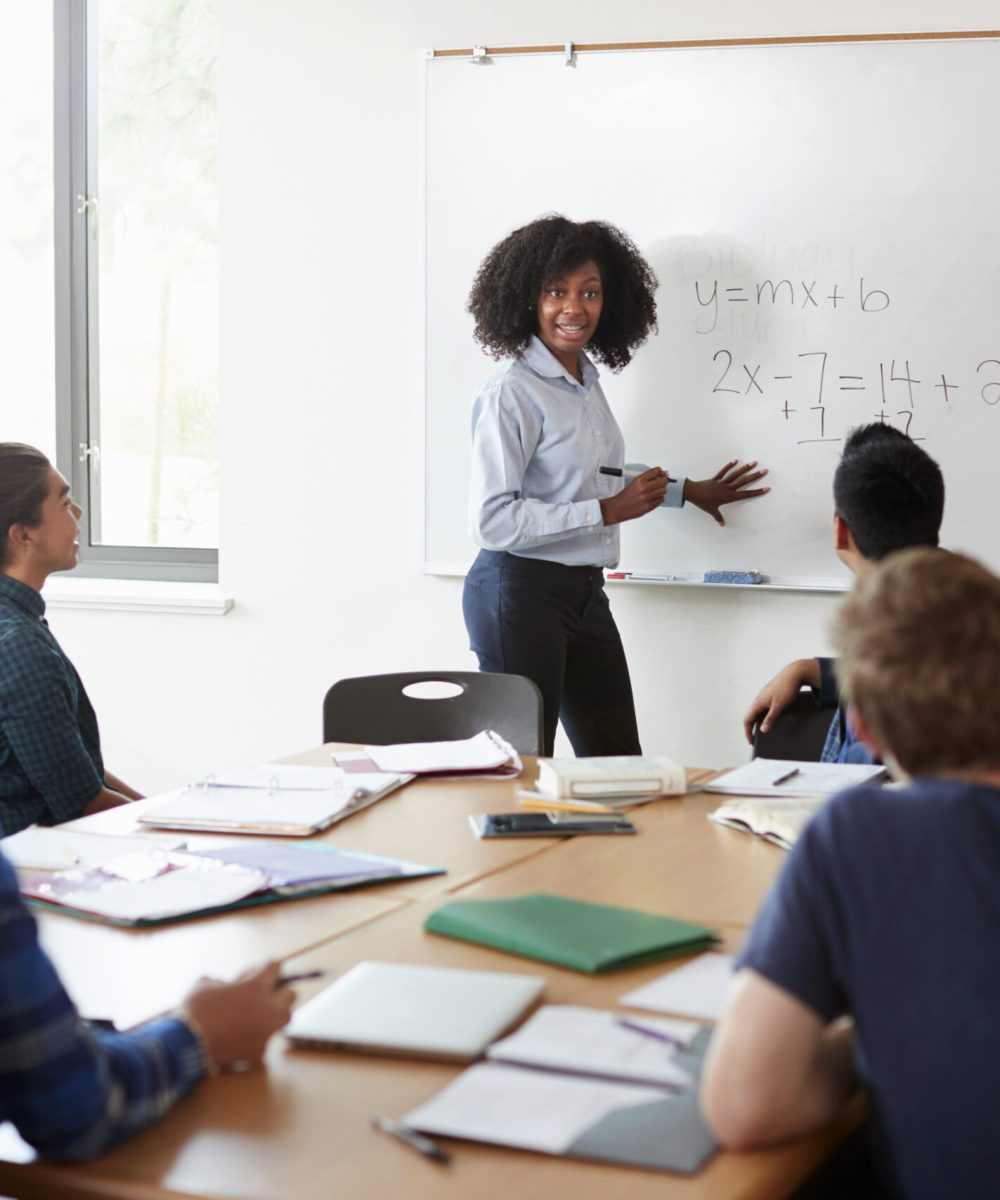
71	1092
50	748
841	745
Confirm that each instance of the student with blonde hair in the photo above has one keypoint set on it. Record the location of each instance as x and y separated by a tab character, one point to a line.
876	957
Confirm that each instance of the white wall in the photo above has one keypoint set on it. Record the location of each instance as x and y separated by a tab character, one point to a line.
321	371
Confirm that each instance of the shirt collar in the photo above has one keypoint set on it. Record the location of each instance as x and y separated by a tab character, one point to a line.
542	361
22	595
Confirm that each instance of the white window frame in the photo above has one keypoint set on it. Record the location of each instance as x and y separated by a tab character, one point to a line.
78	435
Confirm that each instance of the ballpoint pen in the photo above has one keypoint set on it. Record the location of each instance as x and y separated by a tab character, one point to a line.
784	778
418	1141
300	977
647	1031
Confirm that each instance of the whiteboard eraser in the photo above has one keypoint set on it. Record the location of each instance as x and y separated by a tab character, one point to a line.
733	577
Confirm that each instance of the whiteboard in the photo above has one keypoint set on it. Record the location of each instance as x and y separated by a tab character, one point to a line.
823	223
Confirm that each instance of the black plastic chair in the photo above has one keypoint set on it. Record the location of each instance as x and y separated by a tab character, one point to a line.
376	709
798	733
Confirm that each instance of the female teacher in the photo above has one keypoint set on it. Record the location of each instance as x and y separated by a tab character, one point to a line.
542	510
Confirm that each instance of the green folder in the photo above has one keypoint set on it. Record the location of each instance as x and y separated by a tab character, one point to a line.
571	933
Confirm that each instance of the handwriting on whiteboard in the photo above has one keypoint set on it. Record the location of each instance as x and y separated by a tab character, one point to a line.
786	293
896	391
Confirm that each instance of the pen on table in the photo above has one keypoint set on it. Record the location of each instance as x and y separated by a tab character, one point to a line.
657	1034
300	977
411	1137
627	473
785	778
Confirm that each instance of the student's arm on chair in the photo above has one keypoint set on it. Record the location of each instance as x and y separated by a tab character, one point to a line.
776	695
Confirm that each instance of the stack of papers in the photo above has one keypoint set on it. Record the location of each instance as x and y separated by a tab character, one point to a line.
485	755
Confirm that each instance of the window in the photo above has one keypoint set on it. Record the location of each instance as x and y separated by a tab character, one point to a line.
27	330
136	281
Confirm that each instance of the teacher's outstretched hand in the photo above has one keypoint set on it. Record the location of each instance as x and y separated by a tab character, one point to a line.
642	495
731	482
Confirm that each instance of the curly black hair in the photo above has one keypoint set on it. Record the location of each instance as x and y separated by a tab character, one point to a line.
512	275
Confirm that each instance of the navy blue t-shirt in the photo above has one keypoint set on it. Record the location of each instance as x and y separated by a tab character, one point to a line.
889	908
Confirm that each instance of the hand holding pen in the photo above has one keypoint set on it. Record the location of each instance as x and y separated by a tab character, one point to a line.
641	496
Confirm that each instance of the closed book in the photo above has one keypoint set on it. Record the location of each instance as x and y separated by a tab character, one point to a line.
610	775
570	933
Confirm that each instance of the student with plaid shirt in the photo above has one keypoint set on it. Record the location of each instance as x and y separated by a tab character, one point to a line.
74	1092
51	769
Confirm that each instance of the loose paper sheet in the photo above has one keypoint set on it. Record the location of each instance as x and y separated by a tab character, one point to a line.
592	1042
42	848
483	752
698	989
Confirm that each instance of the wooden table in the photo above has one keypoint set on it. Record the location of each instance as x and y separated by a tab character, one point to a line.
301	1128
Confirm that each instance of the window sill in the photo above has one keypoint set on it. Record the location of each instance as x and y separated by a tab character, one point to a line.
137	595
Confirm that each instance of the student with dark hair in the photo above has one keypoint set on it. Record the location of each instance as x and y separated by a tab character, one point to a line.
876	956
545	516
888	495
51	769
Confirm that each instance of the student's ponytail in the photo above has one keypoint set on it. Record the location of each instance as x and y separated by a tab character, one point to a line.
24	484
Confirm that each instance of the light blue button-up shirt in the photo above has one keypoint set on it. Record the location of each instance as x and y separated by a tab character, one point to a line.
538	440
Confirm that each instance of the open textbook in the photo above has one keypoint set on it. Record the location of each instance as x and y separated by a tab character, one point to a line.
578	1083
777	821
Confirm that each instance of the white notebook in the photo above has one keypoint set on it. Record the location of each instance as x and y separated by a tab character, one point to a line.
414	1011
780	777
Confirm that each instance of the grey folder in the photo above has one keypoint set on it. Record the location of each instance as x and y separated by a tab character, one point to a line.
669	1134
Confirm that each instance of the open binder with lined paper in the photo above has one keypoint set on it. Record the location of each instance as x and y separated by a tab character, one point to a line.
276	799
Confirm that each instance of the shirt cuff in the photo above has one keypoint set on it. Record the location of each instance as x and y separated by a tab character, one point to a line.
590	513
675	494
182	1035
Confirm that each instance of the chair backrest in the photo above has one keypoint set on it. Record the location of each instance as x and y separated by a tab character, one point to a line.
376	709
799	732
